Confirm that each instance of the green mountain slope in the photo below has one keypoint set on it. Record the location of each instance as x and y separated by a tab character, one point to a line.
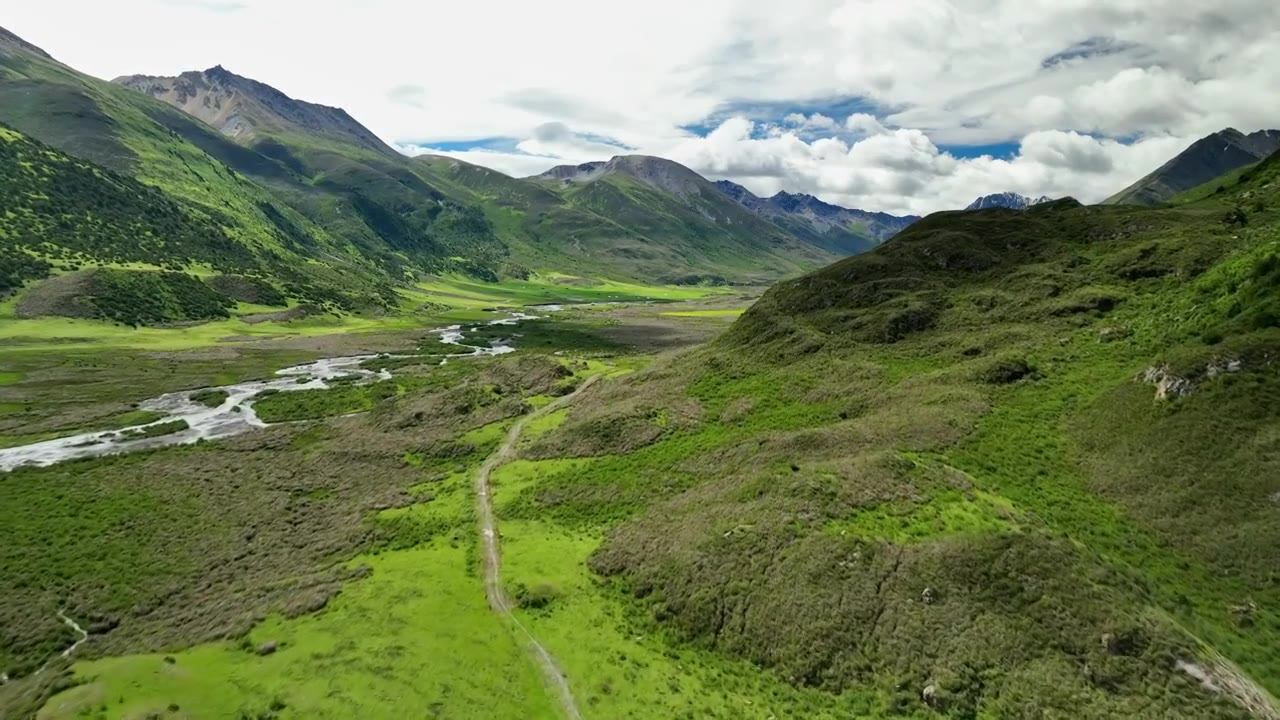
138	138
682	218
336	173
287	176
1207	159
666	236
1010	464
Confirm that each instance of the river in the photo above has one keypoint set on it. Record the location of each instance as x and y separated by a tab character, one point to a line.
235	415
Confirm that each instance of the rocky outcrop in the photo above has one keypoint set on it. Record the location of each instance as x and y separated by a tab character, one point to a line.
1171	386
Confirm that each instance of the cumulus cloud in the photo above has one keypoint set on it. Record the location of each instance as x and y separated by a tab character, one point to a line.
903	171
816	122
864	124
557	140
869	98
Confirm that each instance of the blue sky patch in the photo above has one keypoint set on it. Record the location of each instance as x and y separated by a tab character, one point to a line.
493	144
1003	151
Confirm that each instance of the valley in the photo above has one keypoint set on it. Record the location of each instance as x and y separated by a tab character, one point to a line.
297	423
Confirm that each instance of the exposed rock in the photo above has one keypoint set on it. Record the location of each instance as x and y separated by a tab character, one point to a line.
1111	334
931	697
1168	385
243	108
1221	677
929	596
1218	367
1007	200
267	648
1245	613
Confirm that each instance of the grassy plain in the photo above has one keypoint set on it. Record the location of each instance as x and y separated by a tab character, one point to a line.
204	509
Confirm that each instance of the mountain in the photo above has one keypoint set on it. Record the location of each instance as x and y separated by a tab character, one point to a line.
1012	201
326	208
245	109
840	230
677	237
1004	465
680	215
666	238
203	179
1206	159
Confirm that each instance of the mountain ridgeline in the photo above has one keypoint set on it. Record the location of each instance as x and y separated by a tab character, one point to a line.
308	199
841	230
1206	160
1008	200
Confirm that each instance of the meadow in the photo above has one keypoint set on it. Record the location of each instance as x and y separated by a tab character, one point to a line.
143	590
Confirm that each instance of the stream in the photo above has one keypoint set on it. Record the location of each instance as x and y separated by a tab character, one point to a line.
235	415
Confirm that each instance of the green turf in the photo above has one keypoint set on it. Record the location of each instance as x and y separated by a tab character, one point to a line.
704	313
620	667
414	639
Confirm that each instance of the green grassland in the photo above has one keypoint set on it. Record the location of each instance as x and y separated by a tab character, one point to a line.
727	313
413	639
222	556
894	473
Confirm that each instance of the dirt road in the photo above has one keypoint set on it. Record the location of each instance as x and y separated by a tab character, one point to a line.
498	599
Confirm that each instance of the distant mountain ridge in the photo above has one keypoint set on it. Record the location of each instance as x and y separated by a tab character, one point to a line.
846	231
671	205
1206	159
666	175
1010	200
240	107
333	216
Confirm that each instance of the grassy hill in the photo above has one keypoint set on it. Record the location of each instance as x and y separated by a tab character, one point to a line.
672	233
1010	464
678	220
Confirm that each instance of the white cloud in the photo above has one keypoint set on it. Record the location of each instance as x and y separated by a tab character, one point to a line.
564	79
864	124
903	171
557	140
816	122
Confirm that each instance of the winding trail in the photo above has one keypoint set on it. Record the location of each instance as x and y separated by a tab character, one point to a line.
493	589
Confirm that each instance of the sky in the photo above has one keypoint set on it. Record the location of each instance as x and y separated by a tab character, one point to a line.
904	106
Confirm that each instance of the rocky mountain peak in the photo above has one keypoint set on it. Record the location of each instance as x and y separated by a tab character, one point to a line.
1008	200
243	108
